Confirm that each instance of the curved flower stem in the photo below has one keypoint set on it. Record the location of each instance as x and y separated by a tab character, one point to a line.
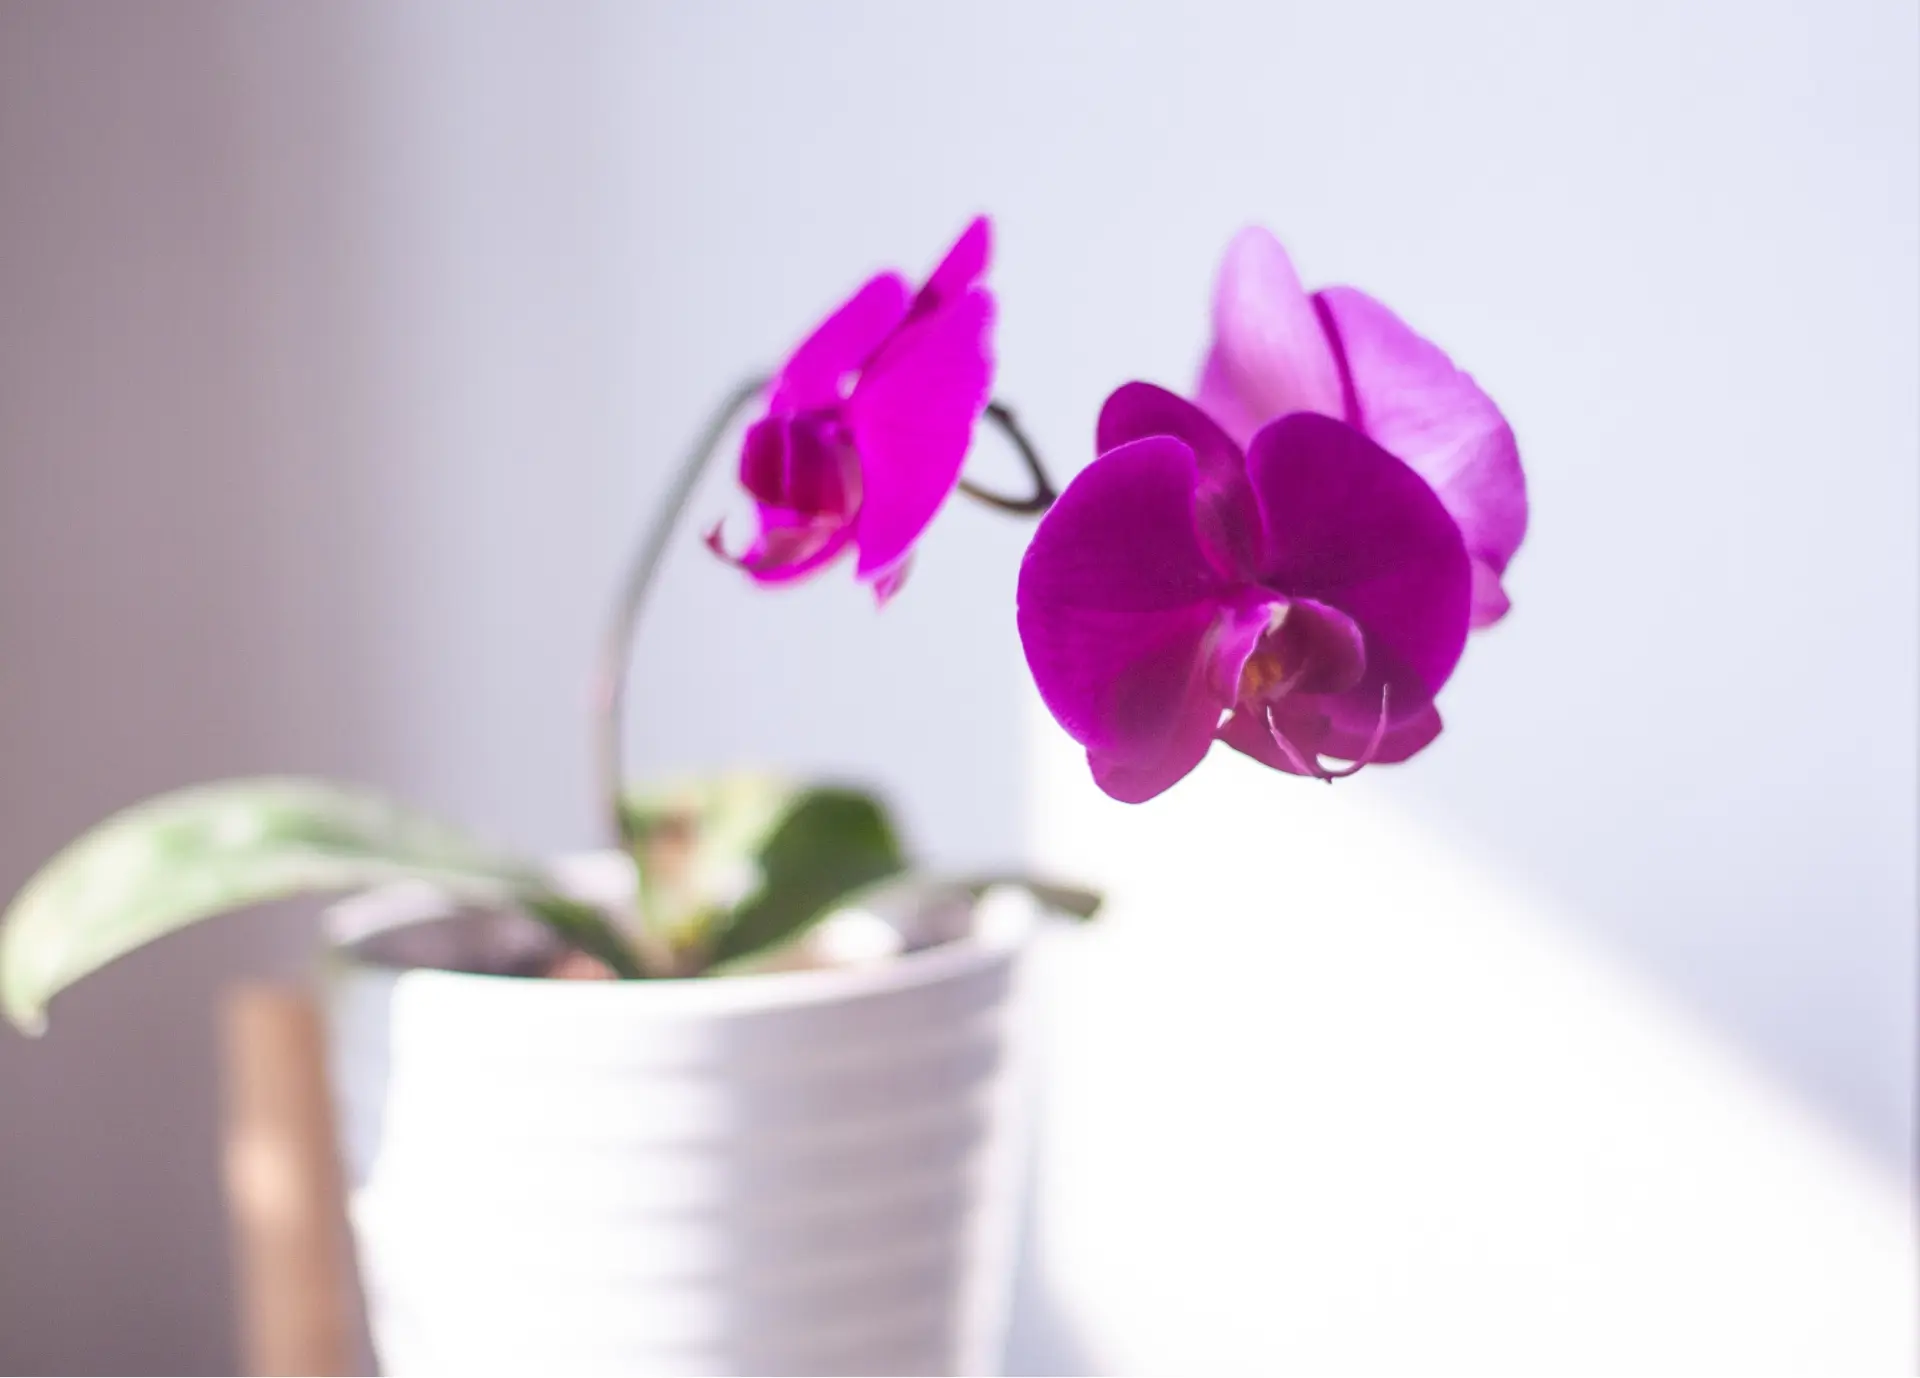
1043	491
616	654
616	650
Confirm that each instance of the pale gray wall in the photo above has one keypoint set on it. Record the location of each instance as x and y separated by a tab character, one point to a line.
342	345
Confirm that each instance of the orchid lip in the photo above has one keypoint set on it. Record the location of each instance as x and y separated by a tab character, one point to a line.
1256	684
716	541
1293	753
767	565
1311	765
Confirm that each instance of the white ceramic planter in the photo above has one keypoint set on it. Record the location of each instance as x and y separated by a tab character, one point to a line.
805	1172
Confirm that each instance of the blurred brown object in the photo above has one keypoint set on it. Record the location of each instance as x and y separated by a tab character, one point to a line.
285	1200
573	965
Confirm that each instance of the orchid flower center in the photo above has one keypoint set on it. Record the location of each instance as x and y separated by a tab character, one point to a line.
1274	668
825	477
805	464
1307	649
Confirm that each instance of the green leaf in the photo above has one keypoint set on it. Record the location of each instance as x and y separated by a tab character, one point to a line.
1069	901
582	925
209	849
696	844
826	845
908	899
909	890
734	866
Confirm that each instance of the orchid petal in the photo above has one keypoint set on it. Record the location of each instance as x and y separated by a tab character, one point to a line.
1134	640
1349	525
1226	515
1490	601
964	265
1121	538
1141	688
1135	782
912	416
1270	355
1407	394
1134	411
841	345
1156	701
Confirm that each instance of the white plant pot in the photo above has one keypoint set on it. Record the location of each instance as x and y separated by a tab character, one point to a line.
804	1172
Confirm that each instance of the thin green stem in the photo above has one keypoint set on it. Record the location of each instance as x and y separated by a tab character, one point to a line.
616	653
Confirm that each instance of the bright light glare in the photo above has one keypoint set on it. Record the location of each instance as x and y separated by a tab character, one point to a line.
1325	1095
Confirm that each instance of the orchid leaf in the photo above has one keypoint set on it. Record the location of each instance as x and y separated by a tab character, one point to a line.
736	866
1068	901
211	849
696	844
826	845
733	865
911	891
922	906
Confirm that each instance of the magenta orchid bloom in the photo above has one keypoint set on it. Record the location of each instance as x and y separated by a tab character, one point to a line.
1305	598
1340	353
868	424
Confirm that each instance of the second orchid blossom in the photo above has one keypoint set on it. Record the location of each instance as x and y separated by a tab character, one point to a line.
868	424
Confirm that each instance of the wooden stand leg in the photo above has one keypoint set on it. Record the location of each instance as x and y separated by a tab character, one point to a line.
284	1192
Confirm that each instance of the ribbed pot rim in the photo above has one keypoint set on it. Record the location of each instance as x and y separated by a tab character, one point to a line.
998	931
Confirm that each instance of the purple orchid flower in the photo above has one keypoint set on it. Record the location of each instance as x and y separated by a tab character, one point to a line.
1340	353
1305	598
868	424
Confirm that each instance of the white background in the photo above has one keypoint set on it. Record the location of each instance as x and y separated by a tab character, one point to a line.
345	345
